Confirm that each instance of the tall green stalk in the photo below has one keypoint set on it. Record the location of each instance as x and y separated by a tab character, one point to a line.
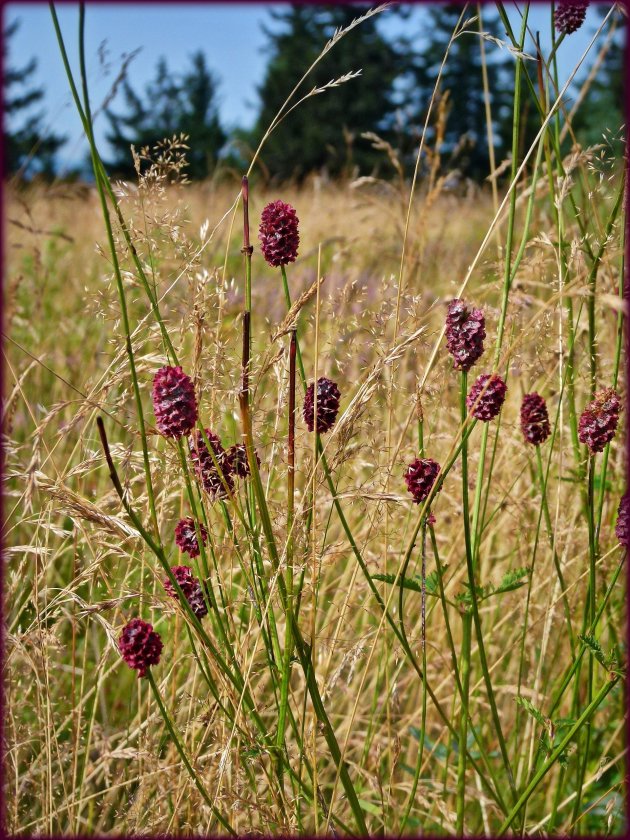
180	749
464	667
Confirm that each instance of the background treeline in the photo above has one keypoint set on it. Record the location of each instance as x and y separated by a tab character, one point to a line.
325	133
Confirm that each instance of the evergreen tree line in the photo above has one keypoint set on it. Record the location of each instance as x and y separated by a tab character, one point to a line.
324	134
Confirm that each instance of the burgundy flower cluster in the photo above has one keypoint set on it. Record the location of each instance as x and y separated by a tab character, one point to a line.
174	402
598	421
328	396
420	477
622	528
140	646
534	419
278	233
186	536
569	16
215	473
486	397
190	587
465	332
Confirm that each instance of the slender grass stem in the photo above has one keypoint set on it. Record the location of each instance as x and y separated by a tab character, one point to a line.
570	735
180	749
542	480
591	612
288	641
466	624
112	245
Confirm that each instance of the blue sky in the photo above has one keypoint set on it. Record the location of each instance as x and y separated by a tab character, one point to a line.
230	34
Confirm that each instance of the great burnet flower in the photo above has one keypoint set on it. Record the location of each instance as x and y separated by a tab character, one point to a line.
191	588
327	405
186	536
486	397
622	528
570	16
278	233
420	477
237	458
174	402
598	421
534	419
215	484
139	645
465	332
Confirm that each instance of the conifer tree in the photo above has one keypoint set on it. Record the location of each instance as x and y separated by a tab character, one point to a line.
30	147
324	132
170	105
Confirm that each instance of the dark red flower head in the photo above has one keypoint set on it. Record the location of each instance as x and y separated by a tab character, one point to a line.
191	588
327	404
186	536
214	484
622	528
174	402
534	419
598	421
237	457
570	16
278	233
139	645
420	477
465	332
490	391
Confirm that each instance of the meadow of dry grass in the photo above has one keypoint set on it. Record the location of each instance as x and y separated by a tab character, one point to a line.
87	747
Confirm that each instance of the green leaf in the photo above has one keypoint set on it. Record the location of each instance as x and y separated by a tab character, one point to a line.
532	710
406	583
414	583
371	808
596	649
512	579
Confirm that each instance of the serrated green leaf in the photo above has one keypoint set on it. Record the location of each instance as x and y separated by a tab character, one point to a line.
532	710
414	583
595	648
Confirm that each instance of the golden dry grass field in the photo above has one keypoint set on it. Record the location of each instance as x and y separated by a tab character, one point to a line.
318	695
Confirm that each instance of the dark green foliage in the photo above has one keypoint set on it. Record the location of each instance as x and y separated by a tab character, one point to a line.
29	146
511	580
324	133
603	108
465	143
171	105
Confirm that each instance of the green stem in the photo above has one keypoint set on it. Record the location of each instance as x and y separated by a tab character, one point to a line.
463	721
180	749
466	625
592	608
556	560
288	642
112	248
542	772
